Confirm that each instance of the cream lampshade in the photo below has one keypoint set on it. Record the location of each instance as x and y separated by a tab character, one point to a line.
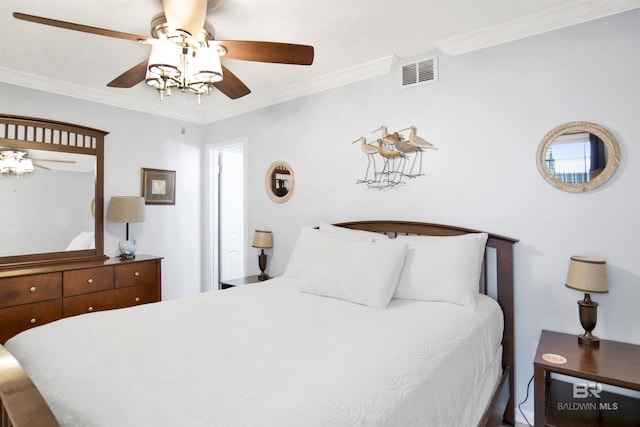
589	275
126	209
262	240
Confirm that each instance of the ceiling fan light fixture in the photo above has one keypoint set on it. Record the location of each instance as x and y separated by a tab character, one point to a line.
162	84
207	66
184	66
27	166
12	162
165	59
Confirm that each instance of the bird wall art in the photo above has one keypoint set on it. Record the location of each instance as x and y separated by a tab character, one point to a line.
396	153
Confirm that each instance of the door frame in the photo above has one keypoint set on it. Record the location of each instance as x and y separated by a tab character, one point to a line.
211	218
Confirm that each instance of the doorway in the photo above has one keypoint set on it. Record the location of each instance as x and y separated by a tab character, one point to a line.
225	216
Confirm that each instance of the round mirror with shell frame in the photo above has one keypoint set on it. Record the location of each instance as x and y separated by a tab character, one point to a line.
601	144
280	181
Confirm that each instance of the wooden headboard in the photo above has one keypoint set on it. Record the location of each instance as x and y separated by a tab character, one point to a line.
501	269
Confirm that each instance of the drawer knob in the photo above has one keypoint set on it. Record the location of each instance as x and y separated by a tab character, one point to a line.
90	281
32	289
90	309
137	274
33	321
137	299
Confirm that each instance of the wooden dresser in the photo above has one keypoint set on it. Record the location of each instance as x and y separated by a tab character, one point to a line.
32	296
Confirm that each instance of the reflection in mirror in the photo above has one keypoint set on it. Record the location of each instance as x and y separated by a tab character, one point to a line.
51	207
578	156
55	212
280	181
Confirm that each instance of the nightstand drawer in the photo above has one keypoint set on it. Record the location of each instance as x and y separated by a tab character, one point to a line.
107	300
27	289
77	282
135	273
17	319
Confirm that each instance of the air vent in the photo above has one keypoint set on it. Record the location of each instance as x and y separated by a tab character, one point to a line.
420	73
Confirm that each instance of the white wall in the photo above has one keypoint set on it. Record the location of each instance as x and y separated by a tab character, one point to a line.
135	141
487	116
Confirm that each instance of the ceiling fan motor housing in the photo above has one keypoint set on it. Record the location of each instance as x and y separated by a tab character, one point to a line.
160	30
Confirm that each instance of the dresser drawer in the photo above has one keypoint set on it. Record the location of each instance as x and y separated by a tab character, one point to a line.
27	289
19	318
135	295
107	300
135	273
76	282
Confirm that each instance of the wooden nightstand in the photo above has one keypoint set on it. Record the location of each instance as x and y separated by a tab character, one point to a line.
560	403
225	284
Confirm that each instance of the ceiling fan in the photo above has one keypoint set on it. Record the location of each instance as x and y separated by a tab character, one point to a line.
185	54
17	162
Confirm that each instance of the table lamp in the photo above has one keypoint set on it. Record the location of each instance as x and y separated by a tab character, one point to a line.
262	240
589	275
126	209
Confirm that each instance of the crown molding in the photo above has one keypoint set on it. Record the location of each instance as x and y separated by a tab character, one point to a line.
560	17
308	87
44	84
236	107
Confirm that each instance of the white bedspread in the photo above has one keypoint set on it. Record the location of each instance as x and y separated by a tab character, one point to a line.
264	355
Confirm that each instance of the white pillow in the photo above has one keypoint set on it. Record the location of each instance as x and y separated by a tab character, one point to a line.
342	231
359	271
442	268
81	241
305	249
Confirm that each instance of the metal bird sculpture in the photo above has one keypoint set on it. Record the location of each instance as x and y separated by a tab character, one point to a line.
370	150
396	152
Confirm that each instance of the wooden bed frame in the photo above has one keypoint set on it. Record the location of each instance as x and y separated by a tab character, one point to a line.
21	404
501	407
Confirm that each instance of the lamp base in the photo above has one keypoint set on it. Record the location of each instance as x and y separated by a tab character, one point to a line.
127	249
262	263
588	339
588	311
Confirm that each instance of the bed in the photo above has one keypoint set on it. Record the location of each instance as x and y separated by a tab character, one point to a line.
316	347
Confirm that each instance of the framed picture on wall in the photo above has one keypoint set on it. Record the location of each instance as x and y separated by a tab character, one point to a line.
158	186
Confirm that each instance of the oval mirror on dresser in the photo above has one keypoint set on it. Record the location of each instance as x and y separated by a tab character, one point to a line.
578	156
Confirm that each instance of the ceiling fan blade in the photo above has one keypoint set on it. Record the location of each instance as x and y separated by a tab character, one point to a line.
186	15
79	27
279	53
231	85
131	77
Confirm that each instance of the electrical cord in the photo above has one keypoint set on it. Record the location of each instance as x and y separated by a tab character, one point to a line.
525	399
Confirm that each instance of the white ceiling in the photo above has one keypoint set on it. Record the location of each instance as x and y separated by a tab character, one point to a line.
353	39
